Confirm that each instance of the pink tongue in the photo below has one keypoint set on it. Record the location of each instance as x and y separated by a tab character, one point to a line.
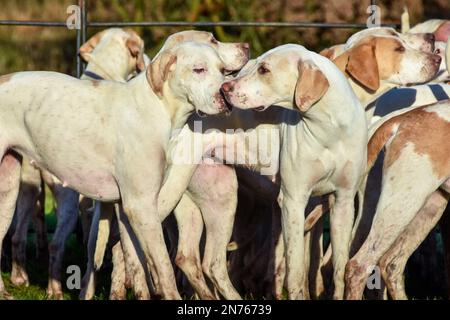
443	32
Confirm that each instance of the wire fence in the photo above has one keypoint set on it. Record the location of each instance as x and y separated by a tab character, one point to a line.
85	24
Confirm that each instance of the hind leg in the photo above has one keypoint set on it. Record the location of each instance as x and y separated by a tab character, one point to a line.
9	190
67	212
190	226
38	220
29	191
394	261
218	206
398	205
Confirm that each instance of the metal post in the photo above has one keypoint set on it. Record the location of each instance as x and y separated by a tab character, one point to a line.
81	36
84	22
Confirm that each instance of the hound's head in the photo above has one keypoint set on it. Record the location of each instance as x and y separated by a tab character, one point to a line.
125	44
234	55
418	41
193	73
282	76
377	59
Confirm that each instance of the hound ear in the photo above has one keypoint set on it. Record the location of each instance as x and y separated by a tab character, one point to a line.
159	69
136	46
90	45
137	50
311	85
363	67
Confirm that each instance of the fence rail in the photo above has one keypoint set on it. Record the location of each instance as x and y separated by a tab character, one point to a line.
85	24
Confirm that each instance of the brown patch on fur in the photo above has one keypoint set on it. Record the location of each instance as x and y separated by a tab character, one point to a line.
442	33
387	55
95	83
311	86
332	52
378	140
158	71
90	45
6	78
136	46
371	60
428	133
328	52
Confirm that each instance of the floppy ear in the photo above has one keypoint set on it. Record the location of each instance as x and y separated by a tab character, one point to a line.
311	85
90	45
158	71
362	66
137	50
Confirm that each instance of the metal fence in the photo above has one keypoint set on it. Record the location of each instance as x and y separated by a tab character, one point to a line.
85	24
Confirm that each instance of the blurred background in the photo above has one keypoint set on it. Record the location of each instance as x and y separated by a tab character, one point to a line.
38	48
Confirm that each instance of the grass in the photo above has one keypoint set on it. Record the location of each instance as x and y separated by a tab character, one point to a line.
38	270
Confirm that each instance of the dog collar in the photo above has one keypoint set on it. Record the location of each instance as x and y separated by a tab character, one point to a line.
93	75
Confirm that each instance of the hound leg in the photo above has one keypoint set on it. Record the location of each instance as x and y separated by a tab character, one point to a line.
87	291
218	207
315	276
38	220
25	205
118	289
135	266
398	205
29	191
67	212
393	263
293	220
190	226
279	262
341	223
9	190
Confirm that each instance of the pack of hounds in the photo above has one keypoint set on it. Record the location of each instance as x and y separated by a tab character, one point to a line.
361	135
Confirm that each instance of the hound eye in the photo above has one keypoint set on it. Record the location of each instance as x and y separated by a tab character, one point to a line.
214	41
199	70
400	49
263	70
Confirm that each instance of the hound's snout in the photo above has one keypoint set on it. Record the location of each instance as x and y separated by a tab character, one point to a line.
227	87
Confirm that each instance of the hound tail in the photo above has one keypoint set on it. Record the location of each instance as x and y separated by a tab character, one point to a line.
405	20
99	234
379	139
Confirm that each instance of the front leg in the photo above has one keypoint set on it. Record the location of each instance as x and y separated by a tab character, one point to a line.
341	223
176	182
139	183
293	207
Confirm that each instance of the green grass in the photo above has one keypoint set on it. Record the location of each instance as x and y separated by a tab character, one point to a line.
38	270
